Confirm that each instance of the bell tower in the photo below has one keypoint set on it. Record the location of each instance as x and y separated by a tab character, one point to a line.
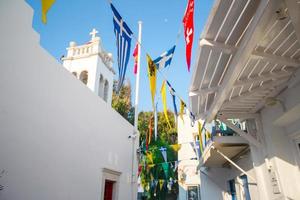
92	65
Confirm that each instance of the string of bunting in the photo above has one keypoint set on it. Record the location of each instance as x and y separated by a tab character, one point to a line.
174	161
196	145
123	40
175	147
123	36
123	33
201	171
168	183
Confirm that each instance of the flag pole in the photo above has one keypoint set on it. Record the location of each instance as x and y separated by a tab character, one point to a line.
136	103
155	121
137	81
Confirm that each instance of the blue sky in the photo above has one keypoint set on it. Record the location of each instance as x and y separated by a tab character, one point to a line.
162	19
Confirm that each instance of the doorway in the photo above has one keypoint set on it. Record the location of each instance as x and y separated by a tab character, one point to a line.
108	190
110	184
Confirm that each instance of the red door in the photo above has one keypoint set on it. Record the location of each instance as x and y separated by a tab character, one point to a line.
108	190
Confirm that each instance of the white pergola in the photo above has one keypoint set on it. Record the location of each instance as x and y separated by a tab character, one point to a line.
247	53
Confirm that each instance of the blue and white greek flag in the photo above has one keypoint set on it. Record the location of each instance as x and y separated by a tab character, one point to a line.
172	92
164	59
123	36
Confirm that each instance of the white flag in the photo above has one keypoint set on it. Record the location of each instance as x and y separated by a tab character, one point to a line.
163	151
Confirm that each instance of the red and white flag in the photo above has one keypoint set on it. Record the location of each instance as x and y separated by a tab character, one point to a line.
135	55
188	23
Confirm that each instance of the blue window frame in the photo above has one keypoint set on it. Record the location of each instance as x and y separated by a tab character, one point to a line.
232	190
245	186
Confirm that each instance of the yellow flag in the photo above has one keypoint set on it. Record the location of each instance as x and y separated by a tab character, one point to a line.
161	183
208	135
144	183
46	5
152	78
147	187
175	147
182	106
151	165
164	101
149	157
200	136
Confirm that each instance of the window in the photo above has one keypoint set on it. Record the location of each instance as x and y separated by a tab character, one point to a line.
106	86
101	86
193	193
84	77
232	190
245	194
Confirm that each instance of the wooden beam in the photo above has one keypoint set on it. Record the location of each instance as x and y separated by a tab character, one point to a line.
256	29
293	10
274	93
238	115
203	91
276	59
243	82
258	89
217	46
243	134
197	69
262	77
233	163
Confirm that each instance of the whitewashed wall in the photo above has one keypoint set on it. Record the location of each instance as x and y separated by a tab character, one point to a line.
215	183
210	188
280	141
186	166
56	136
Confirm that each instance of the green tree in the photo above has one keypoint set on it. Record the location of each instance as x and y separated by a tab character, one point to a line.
156	168
121	102
165	133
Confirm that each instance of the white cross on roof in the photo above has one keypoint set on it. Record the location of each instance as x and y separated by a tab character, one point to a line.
93	33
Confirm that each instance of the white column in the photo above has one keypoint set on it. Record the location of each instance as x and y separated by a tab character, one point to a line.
137	82
135	137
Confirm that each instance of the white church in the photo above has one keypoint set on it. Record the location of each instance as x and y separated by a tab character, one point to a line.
92	65
58	139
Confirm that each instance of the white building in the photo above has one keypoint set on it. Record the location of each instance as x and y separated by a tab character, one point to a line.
247	68
188	173
92	65
191	176
58	140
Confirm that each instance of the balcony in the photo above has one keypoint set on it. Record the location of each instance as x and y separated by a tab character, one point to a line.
227	142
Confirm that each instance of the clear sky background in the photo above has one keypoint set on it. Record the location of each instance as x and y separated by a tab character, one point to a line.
162	19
